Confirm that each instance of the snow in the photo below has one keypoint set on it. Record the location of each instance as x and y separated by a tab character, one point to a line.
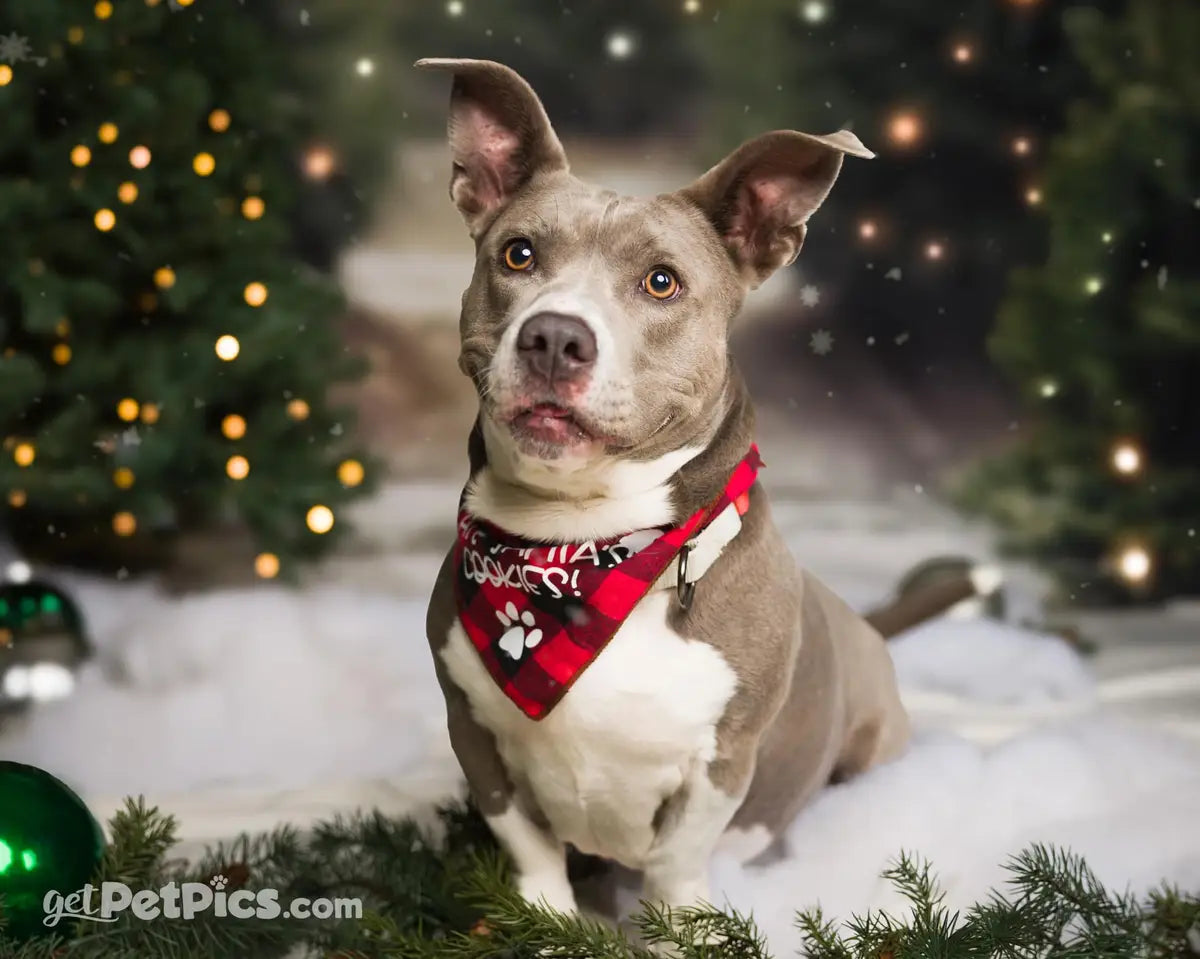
238	709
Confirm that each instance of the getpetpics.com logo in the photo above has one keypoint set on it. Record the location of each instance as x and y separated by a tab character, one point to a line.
106	902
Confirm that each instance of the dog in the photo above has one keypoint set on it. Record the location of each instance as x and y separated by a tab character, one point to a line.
634	667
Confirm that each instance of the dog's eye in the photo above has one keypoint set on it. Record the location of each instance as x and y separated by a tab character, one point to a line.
518	255
661	283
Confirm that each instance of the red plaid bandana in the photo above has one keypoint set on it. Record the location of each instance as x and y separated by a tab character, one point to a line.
539	614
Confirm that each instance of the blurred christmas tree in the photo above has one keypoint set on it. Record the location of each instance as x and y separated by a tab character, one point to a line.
1104	339
164	353
909	255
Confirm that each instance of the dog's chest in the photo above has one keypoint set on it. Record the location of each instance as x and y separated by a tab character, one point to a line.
622	740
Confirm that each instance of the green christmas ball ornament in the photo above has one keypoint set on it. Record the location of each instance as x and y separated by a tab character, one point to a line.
49	840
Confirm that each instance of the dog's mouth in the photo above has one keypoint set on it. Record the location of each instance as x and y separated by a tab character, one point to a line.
551	424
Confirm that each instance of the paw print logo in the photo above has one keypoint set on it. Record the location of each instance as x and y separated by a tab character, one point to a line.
218	882
520	633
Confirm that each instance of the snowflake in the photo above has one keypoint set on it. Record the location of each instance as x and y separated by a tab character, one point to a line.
821	342
15	48
810	295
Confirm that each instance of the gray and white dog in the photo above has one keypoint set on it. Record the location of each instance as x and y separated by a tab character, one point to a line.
595	329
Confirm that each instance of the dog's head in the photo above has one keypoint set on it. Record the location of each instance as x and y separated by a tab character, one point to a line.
596	326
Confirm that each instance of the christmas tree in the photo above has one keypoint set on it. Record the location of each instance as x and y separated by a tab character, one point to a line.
164	351
1104	339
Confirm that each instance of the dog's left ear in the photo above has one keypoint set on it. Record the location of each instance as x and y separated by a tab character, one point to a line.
500	137
760	197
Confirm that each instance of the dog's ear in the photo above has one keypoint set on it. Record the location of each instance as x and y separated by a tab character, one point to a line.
760	197
499	137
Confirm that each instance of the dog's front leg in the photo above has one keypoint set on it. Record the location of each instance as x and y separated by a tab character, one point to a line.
676	871
539	859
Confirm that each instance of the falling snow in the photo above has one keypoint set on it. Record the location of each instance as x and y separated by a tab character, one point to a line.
821	342
895	273
810	295
1162	277
15	48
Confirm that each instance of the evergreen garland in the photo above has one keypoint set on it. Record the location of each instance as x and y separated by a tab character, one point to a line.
445	892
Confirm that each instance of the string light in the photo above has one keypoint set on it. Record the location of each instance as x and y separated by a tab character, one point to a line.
139	157
75	35
107	132
904	128
204	164
1093	285
127	192
1048	388
105	220
320	519
1126	458
364	67
24	454
124	524
253	207
691	6
123	477
219	120
164	278
81	156
255	294
233	426
6	74
963	53
184	3
1135	564
17	498
351	473
814	11
237	467
128	409
103	10
868	229
228	347
150	413
319	163
266	565
1021	146
455	8
297	409
1033	196
61	354
934	251
620	45
1106	236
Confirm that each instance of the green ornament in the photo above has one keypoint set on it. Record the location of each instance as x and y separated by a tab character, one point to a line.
49	840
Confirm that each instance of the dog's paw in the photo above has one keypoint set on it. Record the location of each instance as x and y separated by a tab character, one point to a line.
521	632
554	892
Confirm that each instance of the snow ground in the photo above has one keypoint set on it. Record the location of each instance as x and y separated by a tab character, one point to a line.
240	709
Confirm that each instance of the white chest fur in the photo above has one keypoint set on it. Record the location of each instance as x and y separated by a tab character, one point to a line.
622	740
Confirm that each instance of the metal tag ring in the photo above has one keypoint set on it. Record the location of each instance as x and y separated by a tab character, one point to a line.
683	589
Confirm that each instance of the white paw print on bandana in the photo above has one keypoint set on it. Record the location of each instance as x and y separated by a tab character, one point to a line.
516	640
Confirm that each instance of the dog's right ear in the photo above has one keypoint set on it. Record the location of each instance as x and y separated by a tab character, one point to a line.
499	137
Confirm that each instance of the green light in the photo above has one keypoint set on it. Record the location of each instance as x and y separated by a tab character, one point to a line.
3	607
28	606
6	857
29	860
51	604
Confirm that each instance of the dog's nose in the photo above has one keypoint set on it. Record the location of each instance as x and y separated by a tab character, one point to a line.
557	346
